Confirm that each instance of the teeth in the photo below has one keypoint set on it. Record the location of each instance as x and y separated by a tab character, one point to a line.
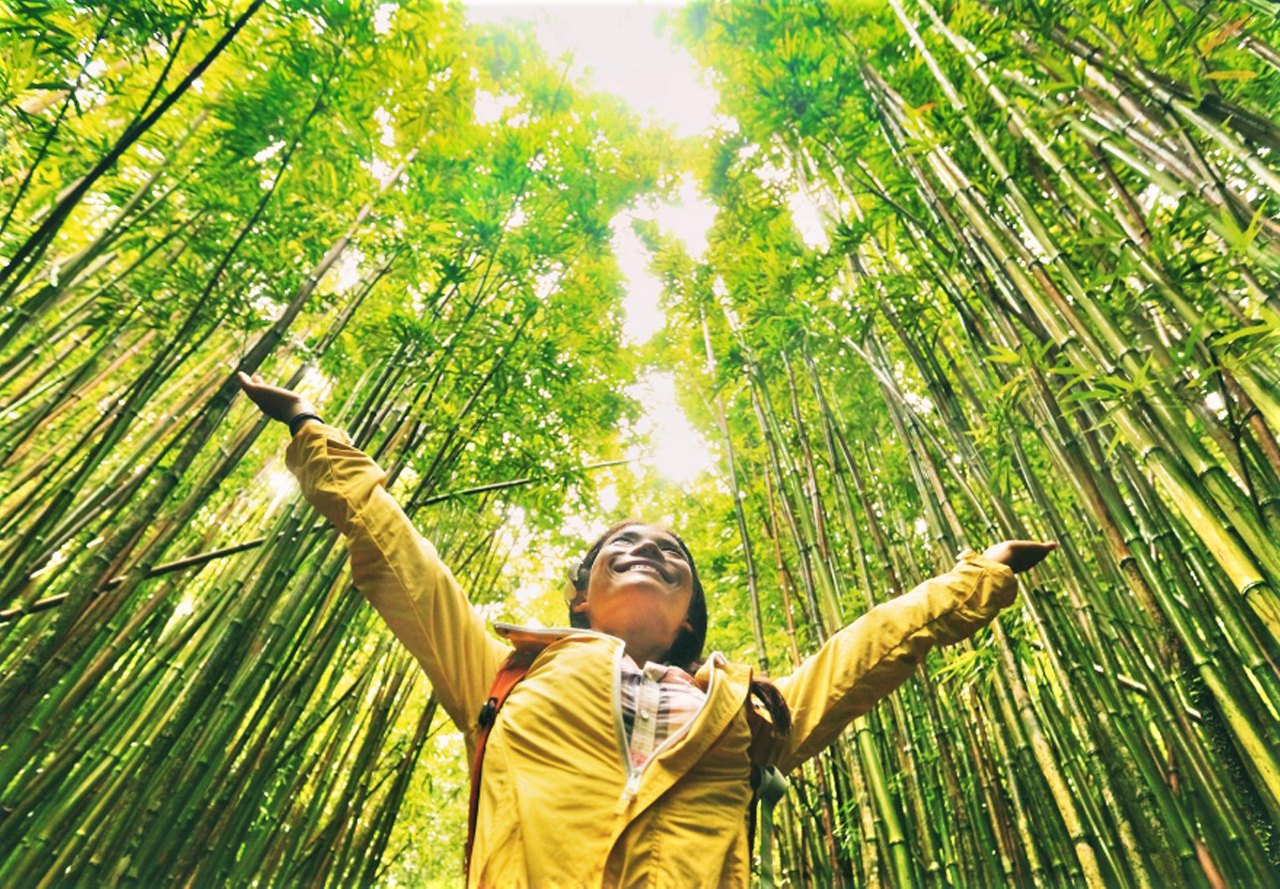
647	569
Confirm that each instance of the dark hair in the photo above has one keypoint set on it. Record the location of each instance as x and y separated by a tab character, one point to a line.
686	651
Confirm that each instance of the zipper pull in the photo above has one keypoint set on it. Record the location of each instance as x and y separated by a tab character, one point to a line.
633	787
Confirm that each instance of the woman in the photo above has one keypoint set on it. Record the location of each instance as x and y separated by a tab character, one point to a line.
609	764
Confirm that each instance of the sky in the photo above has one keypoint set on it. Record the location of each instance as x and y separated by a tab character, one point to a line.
617	48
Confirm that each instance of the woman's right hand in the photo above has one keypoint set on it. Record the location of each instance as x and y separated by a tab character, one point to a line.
1020	555
276	402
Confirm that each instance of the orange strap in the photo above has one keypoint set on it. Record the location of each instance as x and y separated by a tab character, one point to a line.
513	669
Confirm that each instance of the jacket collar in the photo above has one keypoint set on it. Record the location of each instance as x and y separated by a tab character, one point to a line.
532	640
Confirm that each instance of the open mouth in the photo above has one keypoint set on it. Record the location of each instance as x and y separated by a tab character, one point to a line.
644	567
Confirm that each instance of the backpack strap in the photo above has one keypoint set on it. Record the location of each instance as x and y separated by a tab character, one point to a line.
513	669
768	785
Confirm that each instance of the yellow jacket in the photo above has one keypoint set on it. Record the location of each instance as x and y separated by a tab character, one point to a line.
560	804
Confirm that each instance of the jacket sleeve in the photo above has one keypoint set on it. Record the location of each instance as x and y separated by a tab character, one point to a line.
874	655
399	571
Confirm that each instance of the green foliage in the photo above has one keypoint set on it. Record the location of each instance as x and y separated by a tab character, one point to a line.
437	313
1042	305
1022	305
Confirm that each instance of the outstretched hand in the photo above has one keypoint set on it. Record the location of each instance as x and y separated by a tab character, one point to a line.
1020	554
276	402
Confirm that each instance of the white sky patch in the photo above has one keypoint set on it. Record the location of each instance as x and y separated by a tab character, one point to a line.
490	107
529	592
608	496
808	220
806	213
281	484
380	170
688	218
269	152
676	450
1214	402
546	283
315	382
87	92
585	528
517	218
262	304
616	48
347	270
489	611
382	17
405	483
768	172
387	132
920	403
643	315
515	530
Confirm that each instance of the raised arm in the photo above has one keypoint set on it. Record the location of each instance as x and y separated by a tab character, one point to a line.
874	655
394	566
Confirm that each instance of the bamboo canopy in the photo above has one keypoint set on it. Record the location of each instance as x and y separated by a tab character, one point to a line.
979	270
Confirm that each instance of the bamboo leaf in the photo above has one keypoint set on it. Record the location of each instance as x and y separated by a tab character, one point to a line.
1242	75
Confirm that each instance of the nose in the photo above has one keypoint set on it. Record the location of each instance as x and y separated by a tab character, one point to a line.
647	547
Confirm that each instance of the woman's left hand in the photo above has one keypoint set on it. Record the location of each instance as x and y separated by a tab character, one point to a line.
1020	554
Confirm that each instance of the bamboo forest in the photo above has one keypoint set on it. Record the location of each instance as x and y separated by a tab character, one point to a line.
1042	302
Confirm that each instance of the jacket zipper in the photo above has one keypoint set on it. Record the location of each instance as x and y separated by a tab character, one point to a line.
632	787
633	774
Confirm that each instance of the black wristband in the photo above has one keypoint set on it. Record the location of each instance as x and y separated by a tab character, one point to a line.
296	422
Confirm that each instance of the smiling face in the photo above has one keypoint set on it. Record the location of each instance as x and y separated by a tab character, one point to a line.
639	589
